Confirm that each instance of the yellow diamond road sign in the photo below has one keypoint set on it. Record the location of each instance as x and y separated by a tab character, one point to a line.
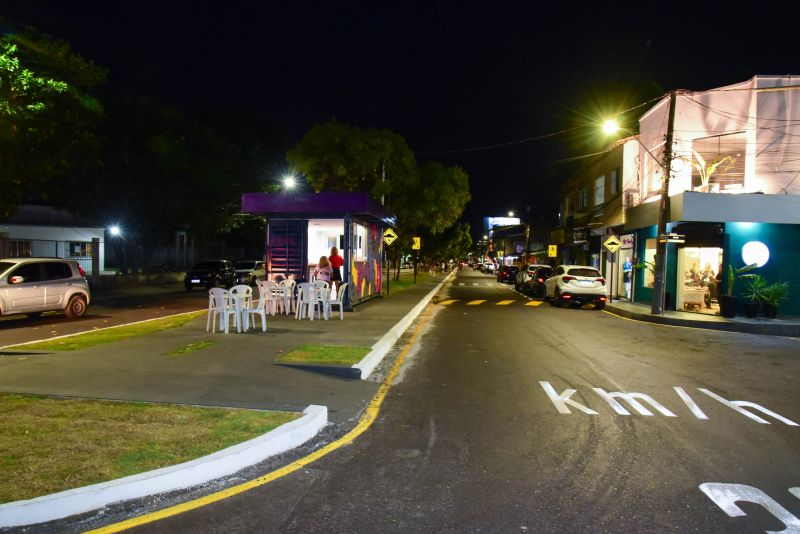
612	244
389	236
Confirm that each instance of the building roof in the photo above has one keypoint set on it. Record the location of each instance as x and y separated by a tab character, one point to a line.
316	205
36	215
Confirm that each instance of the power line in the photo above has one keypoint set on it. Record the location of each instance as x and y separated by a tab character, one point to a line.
526	140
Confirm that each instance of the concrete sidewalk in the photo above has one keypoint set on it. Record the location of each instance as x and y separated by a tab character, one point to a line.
788	326
238	370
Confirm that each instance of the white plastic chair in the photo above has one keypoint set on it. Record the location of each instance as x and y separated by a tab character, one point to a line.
306	301
242	296
262	308
268	292
338	301
288	295
220	305
322	296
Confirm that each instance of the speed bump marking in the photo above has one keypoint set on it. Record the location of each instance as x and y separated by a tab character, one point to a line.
449	301
506	302
475	302
534	303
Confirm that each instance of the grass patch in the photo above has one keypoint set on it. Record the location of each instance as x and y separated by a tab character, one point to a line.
325	355
407	280
49	445
109	335
191	347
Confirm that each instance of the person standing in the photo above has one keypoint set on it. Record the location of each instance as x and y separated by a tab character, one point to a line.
627	270
336	263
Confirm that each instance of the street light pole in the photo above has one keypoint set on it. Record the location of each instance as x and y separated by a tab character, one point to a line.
659	283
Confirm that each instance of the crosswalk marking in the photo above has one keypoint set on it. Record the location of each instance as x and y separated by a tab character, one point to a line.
449	301
534	303
475	302
506	302
474	283
462	284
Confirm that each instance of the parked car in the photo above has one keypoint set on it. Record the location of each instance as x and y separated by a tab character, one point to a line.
525	275
507	274
249	271
35	285
531	279
488	267
210	273
576	283
537	281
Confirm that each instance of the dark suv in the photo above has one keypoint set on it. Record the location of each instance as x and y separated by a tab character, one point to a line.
507	274
210	273
35	285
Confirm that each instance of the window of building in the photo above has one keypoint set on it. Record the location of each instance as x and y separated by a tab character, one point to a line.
718	162
19	248
599	190
359	242
80	249
583	199
615	181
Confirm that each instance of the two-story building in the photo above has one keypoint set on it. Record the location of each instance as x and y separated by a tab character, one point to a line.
734	187
593	204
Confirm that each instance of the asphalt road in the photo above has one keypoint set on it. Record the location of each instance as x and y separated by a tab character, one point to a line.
480	433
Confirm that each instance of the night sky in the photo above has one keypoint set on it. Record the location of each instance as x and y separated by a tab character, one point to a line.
446	75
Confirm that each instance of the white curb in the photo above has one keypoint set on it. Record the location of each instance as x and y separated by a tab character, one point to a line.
192	473
382	347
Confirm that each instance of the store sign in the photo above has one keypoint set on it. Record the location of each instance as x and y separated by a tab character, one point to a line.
552	251
416	243
627	240
579	235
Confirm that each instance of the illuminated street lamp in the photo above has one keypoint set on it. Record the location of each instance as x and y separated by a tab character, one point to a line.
114	230
289	182
510	213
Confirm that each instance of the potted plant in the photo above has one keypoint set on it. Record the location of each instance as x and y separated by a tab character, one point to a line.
773	295
754	294
727	302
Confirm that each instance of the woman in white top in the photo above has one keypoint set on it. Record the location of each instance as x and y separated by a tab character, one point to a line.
324	270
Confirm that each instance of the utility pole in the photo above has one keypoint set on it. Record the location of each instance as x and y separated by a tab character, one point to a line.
659	284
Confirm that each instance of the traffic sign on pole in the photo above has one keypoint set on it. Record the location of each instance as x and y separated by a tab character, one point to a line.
612	244
389	236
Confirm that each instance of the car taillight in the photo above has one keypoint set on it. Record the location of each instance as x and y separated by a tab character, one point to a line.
567	278
80	270
540	280
601	280
602	299
566	297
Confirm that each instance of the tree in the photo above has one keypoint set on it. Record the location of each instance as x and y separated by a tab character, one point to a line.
337	157
47	118
164	171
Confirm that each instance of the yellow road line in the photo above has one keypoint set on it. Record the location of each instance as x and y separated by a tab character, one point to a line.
446	302
370	414
534	303
475	302
506	302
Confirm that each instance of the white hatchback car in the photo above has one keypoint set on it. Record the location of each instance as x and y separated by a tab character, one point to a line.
35	285
576	283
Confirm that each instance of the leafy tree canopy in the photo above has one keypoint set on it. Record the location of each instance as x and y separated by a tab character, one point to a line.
47	117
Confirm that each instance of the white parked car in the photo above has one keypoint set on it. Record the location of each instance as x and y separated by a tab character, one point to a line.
576	283
36	285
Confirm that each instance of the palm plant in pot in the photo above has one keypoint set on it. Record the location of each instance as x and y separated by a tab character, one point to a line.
727	302
773	295
754	293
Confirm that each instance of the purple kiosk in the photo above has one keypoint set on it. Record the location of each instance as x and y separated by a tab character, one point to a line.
302	227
